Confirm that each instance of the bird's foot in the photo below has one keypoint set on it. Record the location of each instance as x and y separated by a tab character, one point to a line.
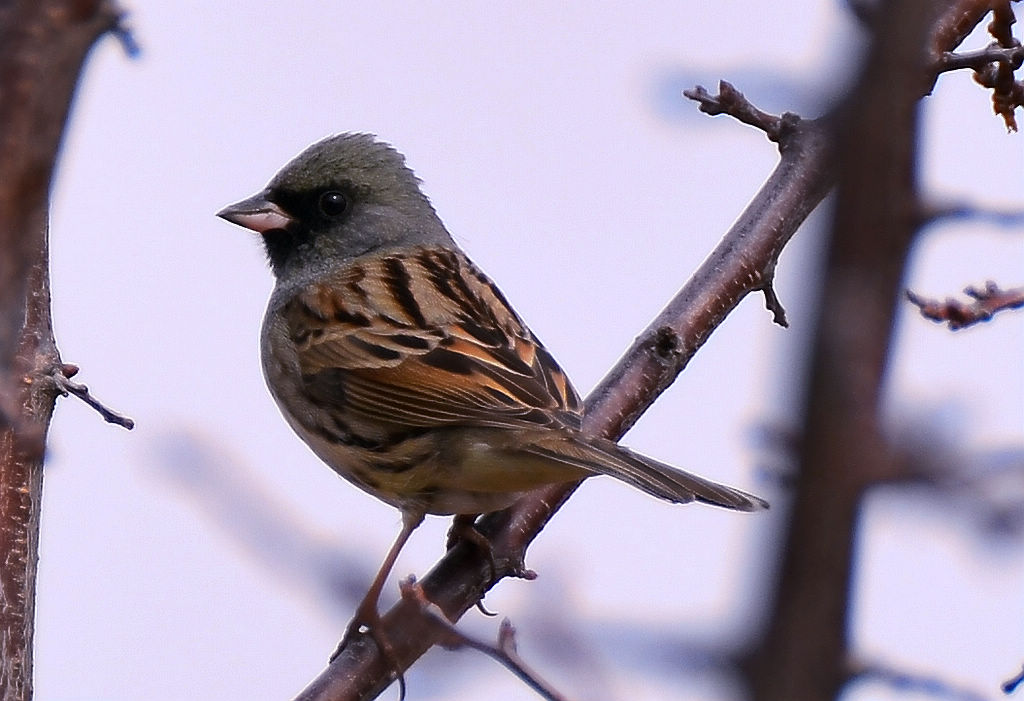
464	530
367	621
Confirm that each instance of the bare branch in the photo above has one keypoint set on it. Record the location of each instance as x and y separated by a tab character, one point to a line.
919	683
977	60
1001	27
1011	684
1006	218
62	376
1007	93
959	315
958	20
504	651
124	34
732	102
773	304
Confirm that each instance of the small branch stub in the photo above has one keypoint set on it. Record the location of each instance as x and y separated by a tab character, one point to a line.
126	37
62	378
773	304
1010	685
732	102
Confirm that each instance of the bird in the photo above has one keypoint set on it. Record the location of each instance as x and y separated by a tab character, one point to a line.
401	364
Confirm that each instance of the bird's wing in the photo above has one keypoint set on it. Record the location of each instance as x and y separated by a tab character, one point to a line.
423	339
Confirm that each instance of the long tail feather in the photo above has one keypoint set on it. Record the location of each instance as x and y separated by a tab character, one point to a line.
605	457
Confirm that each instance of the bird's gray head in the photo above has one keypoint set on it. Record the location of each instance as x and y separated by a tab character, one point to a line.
341	198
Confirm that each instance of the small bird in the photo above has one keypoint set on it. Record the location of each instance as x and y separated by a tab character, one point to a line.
403	367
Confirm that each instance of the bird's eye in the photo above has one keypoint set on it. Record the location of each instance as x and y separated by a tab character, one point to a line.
332	203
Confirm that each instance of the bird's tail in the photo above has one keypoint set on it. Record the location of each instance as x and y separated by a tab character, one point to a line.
605	457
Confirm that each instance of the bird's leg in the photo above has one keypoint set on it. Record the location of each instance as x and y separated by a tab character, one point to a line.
464	530
367	614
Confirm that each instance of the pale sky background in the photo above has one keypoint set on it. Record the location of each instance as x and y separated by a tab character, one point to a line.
209	555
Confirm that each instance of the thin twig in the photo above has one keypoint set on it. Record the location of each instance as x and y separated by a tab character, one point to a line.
1007	93
732	102
126	37
977	60
504	651
1010	685
772	302
959	315
1001	26
1005	218
994	65
62	377
920	683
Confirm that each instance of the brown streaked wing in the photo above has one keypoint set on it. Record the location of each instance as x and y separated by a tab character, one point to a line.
425	339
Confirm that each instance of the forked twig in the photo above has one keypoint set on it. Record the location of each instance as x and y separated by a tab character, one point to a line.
732	102
1012	56
959	315
504	650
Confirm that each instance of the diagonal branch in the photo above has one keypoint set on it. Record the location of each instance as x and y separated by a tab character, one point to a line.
1011	684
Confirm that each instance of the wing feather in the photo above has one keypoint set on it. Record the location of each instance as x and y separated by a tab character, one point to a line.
421	339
